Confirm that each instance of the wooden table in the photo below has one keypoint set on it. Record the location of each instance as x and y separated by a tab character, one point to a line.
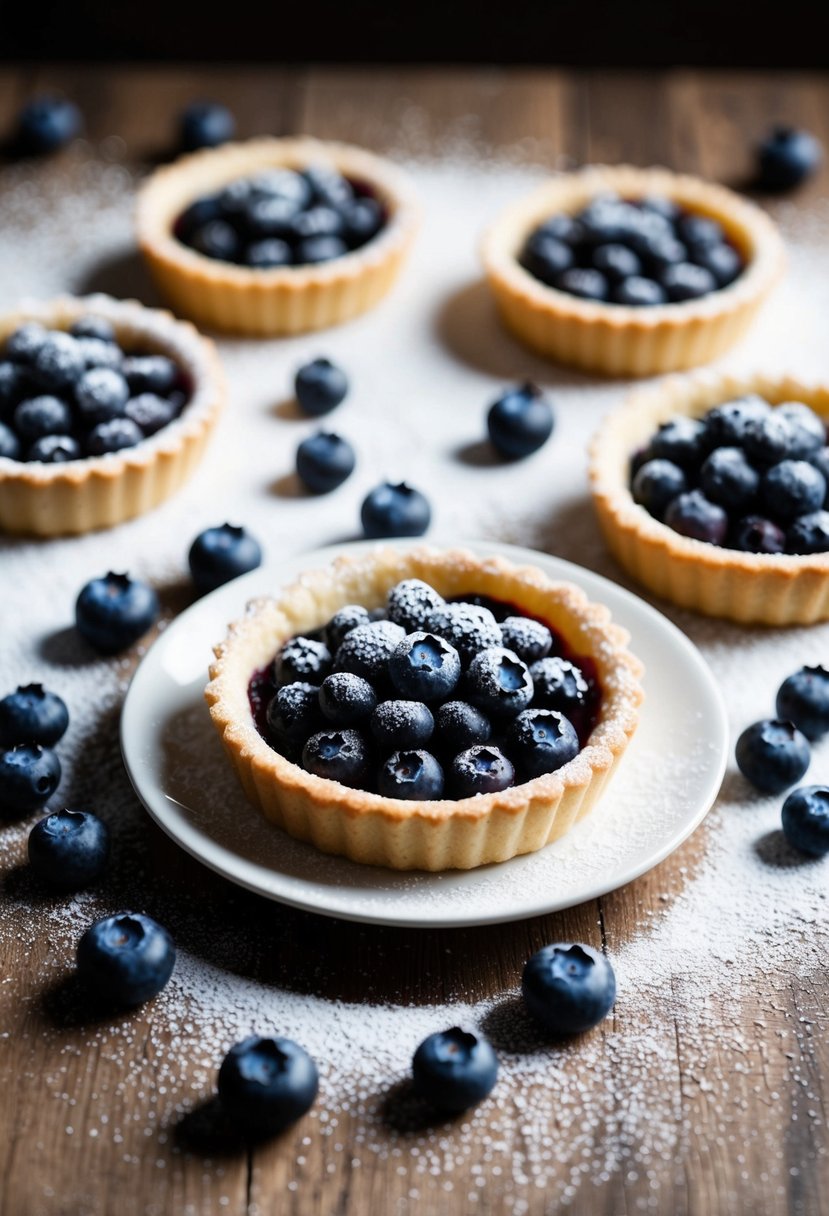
698	122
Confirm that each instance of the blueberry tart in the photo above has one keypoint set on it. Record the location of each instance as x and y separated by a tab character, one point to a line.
711	490
105	410
375	709
631	272
276	236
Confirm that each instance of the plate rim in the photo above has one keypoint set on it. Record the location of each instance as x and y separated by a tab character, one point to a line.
208	852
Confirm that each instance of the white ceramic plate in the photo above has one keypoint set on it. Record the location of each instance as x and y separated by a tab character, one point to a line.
666	783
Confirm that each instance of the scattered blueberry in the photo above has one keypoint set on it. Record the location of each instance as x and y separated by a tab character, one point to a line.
413	775
346	699
324	461
205	124
786	158
29	776
267	1083
220	554
32	714
803	698
772	755
423	667
454	1069
46	124
339	755
114	611
320	386
542	740
806	820
568	988
520	422
126	959
461	726
69	849
482	769
395	510
397	725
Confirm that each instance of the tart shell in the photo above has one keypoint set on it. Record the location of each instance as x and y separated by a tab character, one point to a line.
617	340
429	835
100	491
284	300
765	589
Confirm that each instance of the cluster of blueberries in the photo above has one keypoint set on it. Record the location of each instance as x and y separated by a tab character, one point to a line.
747	475
65	396
363	699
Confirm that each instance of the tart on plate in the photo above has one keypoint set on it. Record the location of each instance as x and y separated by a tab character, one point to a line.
631	272
732	521
105	410
276	236
271	696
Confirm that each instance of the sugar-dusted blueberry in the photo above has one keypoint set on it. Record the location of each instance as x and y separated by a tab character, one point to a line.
150	374
769	438
313	250
584	282
126	959
560	684
222	553
150	412
14	386
318	221
113	436
328	186
395	509
805	818
639	292
687	281
294	713
424	667
411	774
454	1070
470	628
661	250
69	849
268	254
699	231
808	429
756	534
366	650
546	257
90	326
47	123
23	343
803	698
270	217
114	611
530	640
101	393
792	488
205	124
59	362
32	714
726	424
809	533
55	449
9	443
302	659
498	682
617	262
693	515
320	386
284	183
339	755
520	421
568	987
787	157
342	622
728	479
461	725
217	239
346	699
411	602
657	483
29	776
40	416
541	741
324	461
98	353
681	440
772	754
267	1083
480	769
398	724
722	261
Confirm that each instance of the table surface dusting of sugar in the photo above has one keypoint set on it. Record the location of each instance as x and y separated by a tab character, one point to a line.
745	919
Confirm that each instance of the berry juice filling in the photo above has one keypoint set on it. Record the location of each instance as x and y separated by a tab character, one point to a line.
632	252
280	217
511	719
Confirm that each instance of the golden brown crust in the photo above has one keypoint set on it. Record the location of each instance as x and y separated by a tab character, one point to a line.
287	300
437	835
613	339
768	589
98	492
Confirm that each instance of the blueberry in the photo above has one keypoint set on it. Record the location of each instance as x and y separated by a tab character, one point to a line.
294	713
768	439
9	443
266	1084
793	488
786	158
55	449
303	659
91	326
423	667
126	959
806	820
401	724
270	216
59	362
410	604
470	628
639	292
499	683
342	622
659	204
413	775
320	386
772	755
520	422
585	283
808	429
150	412
657	483
283	183
150	374
560	684
699	231
220	554
454	1070
395	510
682	441
324	461
661	251
319	221
29	776
339	755
362	219
803	698
729	480
101	394
32	714
754	534
200	212
461	726
722	261
563	227
346	699
617	262
366	650
726	425
217	239
809	534
24	343
268	254
40	416
542	740
69	849
687	281
113	436
114	611
46	124
692	515
529	639
314	250
568	988
328	187
97	353
545	257
14	384
205	124
481	769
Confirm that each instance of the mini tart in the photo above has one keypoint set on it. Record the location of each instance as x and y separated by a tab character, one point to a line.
762	589
100	491
284	300
431	835
614	339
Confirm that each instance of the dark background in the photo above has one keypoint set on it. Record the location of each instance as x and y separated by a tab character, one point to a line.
629	33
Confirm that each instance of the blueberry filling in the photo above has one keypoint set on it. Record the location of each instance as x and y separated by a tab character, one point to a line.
637	253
